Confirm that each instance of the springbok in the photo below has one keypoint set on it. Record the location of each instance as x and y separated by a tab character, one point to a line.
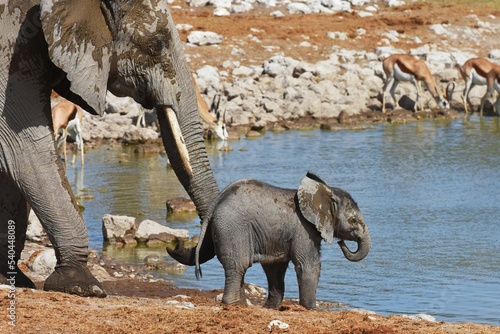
403	67
68	117
210	115
474	72
493	85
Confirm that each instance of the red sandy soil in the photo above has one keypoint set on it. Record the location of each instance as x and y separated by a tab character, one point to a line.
135	306
285	34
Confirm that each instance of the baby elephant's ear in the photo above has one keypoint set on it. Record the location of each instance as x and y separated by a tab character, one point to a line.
317	205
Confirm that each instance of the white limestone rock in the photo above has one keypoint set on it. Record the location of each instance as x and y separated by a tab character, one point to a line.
201	38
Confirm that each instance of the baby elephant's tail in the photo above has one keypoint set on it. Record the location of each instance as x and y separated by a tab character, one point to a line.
204	227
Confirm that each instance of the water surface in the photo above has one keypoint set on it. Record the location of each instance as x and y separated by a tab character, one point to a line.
429	192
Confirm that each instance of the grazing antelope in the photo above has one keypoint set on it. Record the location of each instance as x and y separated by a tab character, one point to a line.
402	67
212	115
67	116
141	119
493	85
474	72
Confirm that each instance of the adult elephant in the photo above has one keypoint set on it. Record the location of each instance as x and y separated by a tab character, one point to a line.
255	222
82	49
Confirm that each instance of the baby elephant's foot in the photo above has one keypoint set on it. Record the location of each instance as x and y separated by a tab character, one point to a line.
75	280
274	300
310	305
272	304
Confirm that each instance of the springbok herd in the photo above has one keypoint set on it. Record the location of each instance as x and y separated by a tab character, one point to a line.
475	71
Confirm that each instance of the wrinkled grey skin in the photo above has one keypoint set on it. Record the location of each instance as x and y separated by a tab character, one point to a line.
82	49
256	222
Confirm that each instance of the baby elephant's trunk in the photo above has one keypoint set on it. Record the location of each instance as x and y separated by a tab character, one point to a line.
364	244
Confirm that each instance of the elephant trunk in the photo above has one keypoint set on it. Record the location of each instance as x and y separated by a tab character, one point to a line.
182	137
364	245
187	154
185	147
182	134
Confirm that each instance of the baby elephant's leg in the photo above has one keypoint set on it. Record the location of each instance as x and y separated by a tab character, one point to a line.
275	273
308	278
234	288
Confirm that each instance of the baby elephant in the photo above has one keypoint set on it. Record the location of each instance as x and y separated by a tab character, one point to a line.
255	222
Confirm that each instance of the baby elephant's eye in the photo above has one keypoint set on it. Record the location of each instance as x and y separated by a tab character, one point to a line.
352	221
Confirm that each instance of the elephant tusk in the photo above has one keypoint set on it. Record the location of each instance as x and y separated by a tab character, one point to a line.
179	140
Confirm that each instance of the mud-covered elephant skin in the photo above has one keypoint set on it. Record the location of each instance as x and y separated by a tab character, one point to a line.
256	222
81	49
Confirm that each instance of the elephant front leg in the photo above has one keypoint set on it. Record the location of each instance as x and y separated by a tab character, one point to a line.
275	273
13	224
308	278
67	232
38	173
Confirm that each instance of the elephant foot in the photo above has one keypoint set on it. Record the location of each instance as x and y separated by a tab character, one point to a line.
240	302
308	305
271	304
19	279
274	299
75	280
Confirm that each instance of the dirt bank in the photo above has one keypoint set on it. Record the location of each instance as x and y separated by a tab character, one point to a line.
133	306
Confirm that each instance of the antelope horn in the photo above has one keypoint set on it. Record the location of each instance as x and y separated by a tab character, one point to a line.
214	107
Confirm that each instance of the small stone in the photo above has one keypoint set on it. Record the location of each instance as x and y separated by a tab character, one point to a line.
277	323
149	230
180	204
153	260
129	239
420	316
253	134
220	11
277	13
343	117
204	38
226	148
116	227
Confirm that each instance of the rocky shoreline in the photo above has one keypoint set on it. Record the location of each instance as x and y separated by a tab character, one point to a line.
311	100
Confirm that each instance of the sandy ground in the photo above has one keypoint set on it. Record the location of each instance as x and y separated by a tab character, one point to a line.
135	306
261	36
